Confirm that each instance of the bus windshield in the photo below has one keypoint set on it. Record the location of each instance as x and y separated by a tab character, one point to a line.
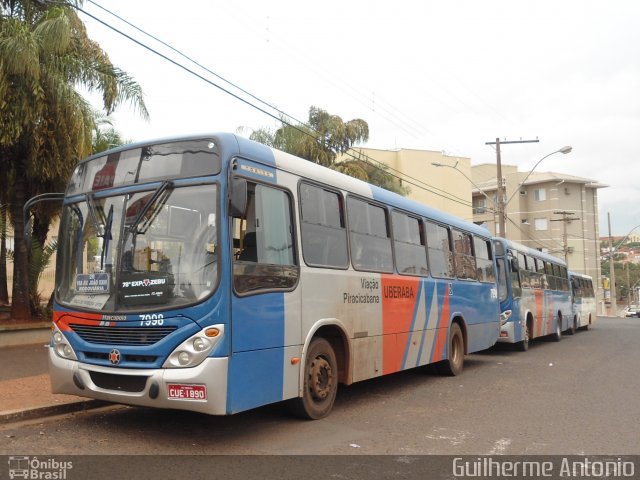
152	249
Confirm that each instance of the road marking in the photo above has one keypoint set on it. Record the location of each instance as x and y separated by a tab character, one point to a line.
500	447
454	437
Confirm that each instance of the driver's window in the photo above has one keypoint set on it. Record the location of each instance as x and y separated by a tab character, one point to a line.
265	255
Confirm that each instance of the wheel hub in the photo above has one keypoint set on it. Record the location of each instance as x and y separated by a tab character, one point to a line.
320	378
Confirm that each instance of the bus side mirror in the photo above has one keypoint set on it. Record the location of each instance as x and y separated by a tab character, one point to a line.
514	265
237	197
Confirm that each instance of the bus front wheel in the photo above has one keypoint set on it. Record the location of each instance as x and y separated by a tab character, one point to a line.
452	366
523	346
320	382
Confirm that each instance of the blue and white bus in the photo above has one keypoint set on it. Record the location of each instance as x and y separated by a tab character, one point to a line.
215	274
535	298
584	301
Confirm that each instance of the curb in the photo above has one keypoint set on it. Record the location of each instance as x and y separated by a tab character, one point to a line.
12	335
50	410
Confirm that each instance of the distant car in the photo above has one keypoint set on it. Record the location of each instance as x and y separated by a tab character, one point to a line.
632	311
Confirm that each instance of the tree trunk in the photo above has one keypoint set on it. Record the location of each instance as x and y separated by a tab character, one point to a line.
4	291
20	308
41	229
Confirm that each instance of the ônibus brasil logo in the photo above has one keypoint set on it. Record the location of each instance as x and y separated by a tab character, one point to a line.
27	467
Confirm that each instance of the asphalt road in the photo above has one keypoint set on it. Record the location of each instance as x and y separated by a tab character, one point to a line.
578	396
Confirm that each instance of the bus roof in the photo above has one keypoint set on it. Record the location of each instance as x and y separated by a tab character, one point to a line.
530	251
231	145
580	275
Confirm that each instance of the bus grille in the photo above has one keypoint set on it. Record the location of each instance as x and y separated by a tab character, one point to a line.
121	335
124	383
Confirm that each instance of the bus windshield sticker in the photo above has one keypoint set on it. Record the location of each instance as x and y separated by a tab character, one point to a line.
92	283
96	302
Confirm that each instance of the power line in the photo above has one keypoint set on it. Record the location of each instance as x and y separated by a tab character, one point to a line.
415	182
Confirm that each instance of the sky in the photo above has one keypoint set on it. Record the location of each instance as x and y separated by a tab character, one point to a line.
444	75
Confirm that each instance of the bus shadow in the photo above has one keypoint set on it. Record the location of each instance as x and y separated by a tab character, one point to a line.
173	430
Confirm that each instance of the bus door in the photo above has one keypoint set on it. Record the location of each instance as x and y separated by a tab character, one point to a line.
265	302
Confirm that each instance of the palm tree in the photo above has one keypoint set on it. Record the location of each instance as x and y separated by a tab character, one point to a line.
45	124
322	139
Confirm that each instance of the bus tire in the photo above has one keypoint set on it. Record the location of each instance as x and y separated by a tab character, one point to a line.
454	363
320	382
574	326
523	345
557	335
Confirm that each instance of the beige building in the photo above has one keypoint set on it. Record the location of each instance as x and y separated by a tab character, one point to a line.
550	211
441	188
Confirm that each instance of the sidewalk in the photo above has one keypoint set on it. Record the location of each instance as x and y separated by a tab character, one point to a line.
30	397
25	391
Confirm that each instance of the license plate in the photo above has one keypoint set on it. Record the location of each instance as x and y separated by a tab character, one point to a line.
187	392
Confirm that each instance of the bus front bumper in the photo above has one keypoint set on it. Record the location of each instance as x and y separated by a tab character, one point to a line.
508	333
145	387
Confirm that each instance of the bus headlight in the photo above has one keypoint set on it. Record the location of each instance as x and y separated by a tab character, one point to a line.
61	345
194	349
504	316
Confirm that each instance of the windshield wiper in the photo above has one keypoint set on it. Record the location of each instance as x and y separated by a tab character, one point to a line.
163	191
93	215
106	237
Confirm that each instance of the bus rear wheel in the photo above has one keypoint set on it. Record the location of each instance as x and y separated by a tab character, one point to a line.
320	382
557	335
452	366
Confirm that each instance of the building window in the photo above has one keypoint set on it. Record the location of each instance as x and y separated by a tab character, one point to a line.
540	223
539	194
479	206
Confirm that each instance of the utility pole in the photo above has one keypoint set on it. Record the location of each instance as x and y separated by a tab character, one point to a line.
612	272
566	218
628	288
500	192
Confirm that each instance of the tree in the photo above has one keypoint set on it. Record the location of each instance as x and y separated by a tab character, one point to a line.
105	136
322	139
45	124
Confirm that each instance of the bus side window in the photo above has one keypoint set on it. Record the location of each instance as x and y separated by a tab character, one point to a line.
370	239
484	260
465	262
324	235
516	287
409	245
439	248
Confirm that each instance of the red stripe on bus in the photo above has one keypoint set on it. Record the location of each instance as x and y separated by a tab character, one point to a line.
399	295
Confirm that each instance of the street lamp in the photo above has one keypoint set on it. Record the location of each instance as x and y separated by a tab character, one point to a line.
454	166
563	150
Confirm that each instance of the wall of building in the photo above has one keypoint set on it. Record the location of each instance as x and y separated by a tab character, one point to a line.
443	188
